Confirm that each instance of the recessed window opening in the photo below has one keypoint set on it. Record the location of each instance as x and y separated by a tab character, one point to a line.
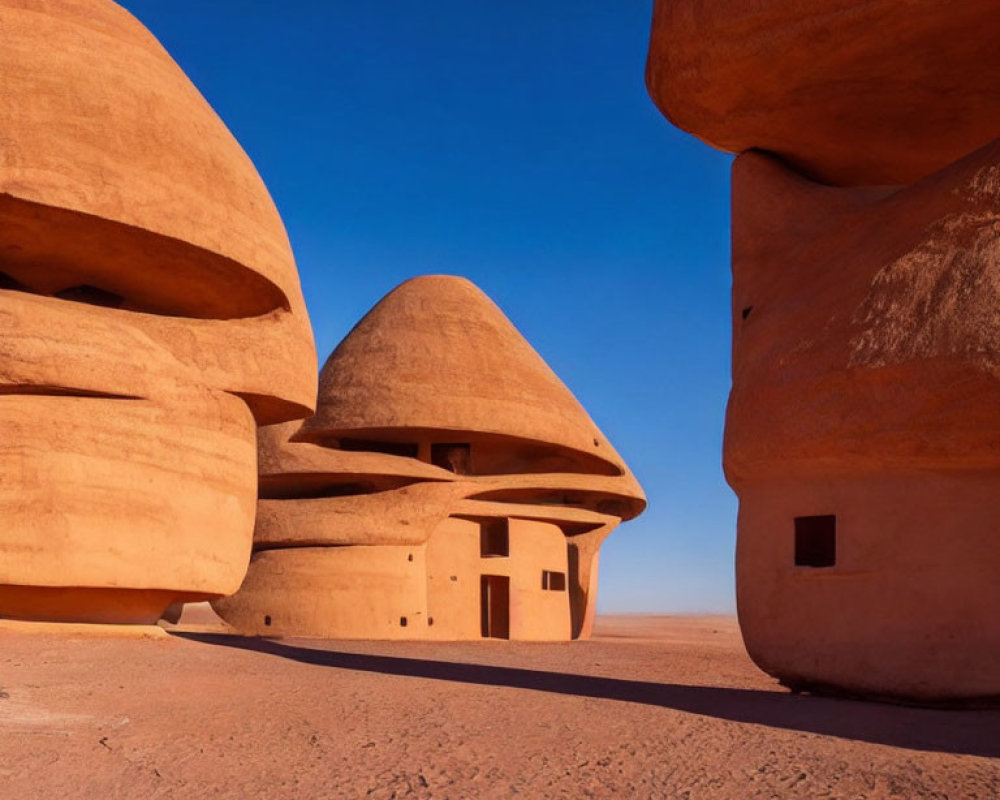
267	619
816	541
405	449
402	622
553	581
454	457
91	295
315	492
746	312
494	538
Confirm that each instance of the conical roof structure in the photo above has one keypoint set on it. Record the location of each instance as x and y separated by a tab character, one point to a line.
437	354
444	453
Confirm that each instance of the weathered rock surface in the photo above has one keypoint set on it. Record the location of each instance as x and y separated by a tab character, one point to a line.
866	383
848	92
862	433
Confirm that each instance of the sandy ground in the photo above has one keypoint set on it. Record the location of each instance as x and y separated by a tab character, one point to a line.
657	707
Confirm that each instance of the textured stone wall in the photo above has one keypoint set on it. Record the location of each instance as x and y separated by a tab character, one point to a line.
866	281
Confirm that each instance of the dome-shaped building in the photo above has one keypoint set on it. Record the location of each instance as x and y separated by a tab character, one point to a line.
150	319
449	486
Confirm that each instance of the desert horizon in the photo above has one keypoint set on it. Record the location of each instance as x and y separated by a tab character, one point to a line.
368	372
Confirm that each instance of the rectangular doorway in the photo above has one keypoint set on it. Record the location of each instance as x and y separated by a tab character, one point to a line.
495	605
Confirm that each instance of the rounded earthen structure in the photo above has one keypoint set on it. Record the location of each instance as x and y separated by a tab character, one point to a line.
150	318
449	487
863	430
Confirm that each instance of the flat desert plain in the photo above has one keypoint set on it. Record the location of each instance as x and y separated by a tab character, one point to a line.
652	707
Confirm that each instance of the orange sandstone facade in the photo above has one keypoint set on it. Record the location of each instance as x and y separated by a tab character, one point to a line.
150	319
863	432
448	487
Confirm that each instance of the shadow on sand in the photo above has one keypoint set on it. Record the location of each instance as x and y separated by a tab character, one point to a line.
947	731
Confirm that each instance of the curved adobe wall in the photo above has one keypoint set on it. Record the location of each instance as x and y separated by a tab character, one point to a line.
848	92
150	318
906	610
355	592
869	394
862	435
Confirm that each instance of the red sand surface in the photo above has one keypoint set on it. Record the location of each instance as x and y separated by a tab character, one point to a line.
657	707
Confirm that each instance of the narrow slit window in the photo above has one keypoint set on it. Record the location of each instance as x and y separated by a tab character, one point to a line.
404	449
553	581
494	538
816	541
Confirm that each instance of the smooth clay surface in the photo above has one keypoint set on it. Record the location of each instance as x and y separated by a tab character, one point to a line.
862	434
650	708
849	92
150	319
437	423
866	387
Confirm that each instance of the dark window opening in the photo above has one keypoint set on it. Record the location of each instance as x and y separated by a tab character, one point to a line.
405	449
494	538
267	619
430	621
453	457
317	492
553	581
615	508
402	622
494	605
816	541
746	312
410	557
91	295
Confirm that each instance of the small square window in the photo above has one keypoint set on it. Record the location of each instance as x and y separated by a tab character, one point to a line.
553	581
494	538
816	541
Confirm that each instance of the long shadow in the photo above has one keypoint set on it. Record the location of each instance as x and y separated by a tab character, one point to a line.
946	731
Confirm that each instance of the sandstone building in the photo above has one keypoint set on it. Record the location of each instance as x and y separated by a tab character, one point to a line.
863	428
150	319
449	487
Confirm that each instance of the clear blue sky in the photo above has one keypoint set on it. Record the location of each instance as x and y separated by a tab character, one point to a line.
513	143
